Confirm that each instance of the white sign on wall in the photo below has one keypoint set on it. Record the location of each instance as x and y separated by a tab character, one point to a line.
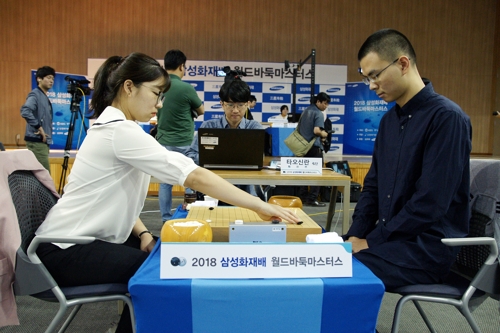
269	82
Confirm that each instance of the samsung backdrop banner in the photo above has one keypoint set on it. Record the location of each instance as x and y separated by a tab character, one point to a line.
363	111
272	86
61	100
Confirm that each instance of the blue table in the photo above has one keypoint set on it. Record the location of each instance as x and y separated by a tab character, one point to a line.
254	305
278	136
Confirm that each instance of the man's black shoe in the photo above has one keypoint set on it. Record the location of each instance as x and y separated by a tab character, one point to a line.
314	204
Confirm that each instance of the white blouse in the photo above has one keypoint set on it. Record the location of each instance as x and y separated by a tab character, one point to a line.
109	180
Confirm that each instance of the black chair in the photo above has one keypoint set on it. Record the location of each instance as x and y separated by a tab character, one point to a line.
476	272
461	286
32	201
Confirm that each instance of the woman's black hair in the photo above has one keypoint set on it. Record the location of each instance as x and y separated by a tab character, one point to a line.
235	90
283	107
137	67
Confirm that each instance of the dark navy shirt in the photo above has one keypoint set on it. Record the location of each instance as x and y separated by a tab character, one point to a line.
417	189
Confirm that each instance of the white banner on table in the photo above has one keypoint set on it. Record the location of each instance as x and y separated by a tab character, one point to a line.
301	166
243	261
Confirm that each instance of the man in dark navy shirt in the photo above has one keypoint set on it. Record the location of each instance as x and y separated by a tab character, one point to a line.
417	189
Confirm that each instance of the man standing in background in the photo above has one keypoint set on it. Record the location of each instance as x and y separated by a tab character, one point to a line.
311	126
37	111
251	104
176	119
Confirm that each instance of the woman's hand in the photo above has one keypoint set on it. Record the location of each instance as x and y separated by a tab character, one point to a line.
209	183
146	238
269	212
147	243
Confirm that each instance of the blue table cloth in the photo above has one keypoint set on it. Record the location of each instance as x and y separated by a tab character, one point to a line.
254	305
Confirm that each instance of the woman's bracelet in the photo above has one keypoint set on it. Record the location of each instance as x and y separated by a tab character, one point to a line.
145	232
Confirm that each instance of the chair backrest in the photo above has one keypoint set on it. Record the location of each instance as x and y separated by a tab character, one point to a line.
32	201
471	258
484	222
485	193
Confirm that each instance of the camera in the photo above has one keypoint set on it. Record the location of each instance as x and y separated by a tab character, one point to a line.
77	86
327	131
229	74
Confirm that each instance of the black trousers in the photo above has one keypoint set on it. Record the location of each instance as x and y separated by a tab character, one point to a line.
310	193
95	263
394	276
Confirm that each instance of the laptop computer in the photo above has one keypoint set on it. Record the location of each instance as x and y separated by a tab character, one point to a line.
222	148
341	167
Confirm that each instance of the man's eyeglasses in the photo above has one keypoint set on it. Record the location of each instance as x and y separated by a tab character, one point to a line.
161	96
239	106
374	77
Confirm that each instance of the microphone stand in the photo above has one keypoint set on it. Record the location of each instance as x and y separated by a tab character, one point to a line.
311	56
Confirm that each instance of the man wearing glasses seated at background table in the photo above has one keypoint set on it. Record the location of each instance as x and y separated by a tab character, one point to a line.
234	96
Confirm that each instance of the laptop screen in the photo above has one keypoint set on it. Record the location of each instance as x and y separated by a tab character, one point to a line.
221	148
340	167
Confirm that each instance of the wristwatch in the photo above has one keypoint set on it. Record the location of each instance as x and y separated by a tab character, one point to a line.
145	232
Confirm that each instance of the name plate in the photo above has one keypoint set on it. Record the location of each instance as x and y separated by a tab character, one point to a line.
243	261
301	166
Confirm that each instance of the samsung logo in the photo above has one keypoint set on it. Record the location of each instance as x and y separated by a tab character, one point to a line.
334	148
194	85
334	119
304	99
216	106
332	90
277	88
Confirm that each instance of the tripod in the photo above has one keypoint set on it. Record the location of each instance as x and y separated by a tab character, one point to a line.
76	98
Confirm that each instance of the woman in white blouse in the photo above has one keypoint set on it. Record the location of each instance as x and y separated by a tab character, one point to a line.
110	177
